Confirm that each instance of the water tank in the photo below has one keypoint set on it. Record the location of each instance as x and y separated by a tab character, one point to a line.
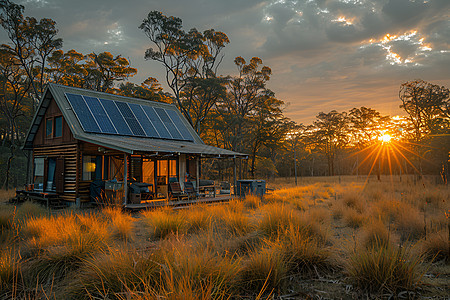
250	186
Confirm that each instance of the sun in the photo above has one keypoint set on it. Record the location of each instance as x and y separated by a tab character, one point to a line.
385	138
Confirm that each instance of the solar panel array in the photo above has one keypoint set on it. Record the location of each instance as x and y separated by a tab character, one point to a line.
123	118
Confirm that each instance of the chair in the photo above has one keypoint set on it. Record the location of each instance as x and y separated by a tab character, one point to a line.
190	190
176	191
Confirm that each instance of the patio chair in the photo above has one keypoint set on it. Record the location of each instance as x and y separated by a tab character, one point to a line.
175	191
190	190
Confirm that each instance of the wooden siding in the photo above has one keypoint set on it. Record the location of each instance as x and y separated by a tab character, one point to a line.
67	136
69	154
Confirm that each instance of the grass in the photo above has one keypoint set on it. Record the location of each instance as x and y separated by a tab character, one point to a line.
314	240
385	269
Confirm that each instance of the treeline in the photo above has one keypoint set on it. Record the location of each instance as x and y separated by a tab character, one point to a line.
236	112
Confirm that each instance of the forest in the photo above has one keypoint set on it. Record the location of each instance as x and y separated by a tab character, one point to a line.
235	111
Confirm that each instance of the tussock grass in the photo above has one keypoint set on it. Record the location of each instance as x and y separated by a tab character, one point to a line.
385	269
6	194
121	223
197	219
353	218
162	222
374	233
114	272
252	201
265	268
303	253
410	222
30	209
9	269
201	269
243	249
276	218
436	246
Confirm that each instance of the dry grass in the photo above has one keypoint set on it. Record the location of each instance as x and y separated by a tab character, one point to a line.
385	269
245	249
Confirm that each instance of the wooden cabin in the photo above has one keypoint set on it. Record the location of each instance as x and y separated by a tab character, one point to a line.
83	139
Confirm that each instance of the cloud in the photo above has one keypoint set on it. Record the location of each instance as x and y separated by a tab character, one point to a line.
324	54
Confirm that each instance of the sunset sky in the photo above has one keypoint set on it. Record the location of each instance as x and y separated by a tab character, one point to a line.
324	54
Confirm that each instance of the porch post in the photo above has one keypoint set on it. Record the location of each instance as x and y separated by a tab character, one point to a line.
197	171
234	175
125	178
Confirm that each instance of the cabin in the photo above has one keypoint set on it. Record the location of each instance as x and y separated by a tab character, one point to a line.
93	146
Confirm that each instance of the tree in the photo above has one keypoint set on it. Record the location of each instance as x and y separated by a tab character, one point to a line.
67	68
330	134
103	70
427	107
245	93
191	60
14	87
150	89
31	41
366	124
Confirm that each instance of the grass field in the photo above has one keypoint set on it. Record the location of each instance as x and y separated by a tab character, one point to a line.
327	238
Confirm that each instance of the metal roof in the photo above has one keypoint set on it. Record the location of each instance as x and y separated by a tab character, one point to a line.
121	143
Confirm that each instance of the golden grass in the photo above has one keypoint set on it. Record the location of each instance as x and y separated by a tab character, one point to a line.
247	248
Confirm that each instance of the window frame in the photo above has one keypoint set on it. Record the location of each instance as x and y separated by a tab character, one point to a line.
47	127
54	126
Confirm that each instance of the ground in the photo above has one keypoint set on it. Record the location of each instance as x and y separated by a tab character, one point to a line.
327	238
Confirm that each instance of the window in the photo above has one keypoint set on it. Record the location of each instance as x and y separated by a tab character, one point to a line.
49	128
89	167
58	127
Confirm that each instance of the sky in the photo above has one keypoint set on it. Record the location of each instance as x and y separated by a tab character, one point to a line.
324	54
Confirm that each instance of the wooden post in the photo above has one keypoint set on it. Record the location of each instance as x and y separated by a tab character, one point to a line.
125	178
234	175
197	171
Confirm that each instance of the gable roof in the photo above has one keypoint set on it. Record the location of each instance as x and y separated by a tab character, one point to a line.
129	143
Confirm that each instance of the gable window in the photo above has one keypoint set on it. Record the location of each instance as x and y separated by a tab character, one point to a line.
58	127
49	128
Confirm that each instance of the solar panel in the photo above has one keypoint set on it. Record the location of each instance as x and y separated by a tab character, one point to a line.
146	124
130	118
168	123
123	118
116	117
159	125
83	113
180	125
100	115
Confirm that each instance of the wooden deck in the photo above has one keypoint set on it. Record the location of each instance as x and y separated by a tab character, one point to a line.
165	203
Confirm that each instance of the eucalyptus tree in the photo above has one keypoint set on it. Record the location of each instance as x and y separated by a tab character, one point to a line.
329	134
31	41
14	104
191	60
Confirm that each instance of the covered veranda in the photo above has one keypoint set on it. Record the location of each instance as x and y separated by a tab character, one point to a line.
153	168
